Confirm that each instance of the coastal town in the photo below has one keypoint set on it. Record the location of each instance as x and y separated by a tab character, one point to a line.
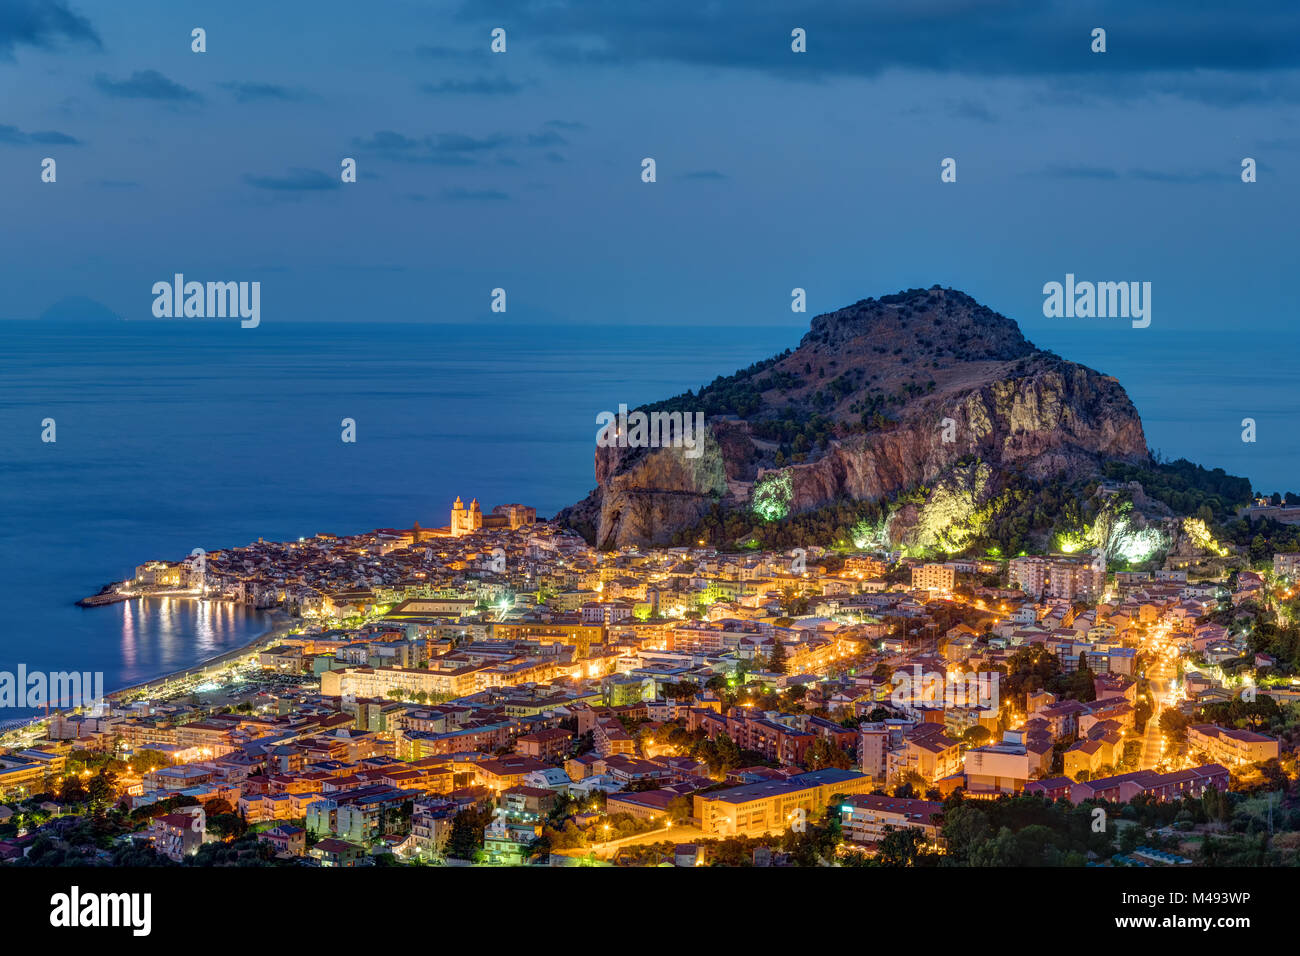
497	692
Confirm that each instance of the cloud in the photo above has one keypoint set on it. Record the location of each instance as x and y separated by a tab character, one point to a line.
963	109
460	194
969	109
1217	88
449	53
1078	172
442	149
389	141
400	148
570	125
482	86
460	143
52	138
43	24
297	181
1148	175
259	92
146	85
459	149
546	138
1232	174
13	136
867	37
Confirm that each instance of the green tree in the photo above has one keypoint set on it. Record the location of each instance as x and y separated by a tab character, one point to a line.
823	753
776	662
227	826
1173	724
142	761
965	827
465	842
902	846
100	791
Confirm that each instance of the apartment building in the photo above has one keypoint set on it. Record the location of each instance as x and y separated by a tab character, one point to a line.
180	834
356	814
417	744
431	822
611	737
875	742
1059	577
865	565
926	751
576	635
331	852
934	577
714	637
1089	756
1006	767
378	681
285	838
545	744
1229	746
755	809
1286	565
776	741
865	818
1161	787
25	773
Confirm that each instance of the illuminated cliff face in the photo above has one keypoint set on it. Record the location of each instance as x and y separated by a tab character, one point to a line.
871	536
883	383
1115	534
1136	545
956	513
772	494
1199	536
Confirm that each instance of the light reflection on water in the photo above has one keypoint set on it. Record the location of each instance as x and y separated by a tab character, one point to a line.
155	636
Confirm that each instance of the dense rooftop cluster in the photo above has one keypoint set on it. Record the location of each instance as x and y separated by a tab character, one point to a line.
511	696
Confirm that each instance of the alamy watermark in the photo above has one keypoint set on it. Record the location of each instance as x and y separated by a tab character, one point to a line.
935	690
77	909
1100	300
653	430
62	689
213	300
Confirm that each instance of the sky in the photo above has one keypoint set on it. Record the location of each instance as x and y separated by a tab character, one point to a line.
522	170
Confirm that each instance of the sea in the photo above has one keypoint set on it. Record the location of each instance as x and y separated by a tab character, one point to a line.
172	436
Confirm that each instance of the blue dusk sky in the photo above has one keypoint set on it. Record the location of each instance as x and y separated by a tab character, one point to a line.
775	169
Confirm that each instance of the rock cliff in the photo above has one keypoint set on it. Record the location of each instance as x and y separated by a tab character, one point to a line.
879	398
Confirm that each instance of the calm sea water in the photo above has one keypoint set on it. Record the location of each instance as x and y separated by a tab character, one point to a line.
1193	392
173	436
